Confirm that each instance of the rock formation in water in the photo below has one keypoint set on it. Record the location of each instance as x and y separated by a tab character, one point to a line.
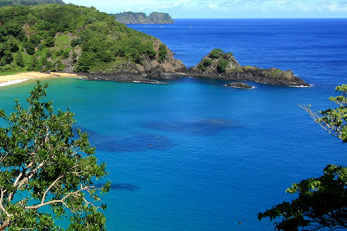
216	65
141	18
240	85
219	65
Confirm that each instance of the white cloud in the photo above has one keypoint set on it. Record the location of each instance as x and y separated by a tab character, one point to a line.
212	6
340	6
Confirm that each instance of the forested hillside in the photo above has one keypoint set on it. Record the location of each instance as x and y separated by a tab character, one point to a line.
72	38
28	2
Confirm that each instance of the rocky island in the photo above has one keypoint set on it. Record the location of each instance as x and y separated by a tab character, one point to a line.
141	18
240	85
219	65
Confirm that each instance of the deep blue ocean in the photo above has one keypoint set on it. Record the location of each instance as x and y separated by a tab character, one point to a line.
194	155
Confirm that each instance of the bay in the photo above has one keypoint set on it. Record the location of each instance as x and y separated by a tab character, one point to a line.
195	155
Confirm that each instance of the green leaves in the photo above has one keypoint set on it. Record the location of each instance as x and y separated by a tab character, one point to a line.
333	120
162	52
321	203
216	53
222	65
40	155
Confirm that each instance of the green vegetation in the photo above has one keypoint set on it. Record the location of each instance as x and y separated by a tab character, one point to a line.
207	62
322	201
216	53
201	66
10	73
275	72
28	2
249	67
222	65
217	61
204	64
47	171
162	52
52	37
235	70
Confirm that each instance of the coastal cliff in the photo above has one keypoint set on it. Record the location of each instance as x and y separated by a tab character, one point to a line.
141	18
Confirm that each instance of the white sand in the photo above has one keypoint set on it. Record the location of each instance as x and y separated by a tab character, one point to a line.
21	77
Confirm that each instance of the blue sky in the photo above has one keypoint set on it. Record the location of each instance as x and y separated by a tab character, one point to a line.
225	8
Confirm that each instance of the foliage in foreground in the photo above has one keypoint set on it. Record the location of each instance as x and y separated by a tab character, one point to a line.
47	173
322	201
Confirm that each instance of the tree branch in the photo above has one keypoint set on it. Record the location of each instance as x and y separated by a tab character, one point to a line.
31	174
1	205
6	223
58	201
332	130
49	188
3	158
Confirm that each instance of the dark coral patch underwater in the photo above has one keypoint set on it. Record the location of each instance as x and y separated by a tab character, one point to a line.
194	126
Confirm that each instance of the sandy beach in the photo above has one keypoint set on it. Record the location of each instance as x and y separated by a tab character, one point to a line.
21	77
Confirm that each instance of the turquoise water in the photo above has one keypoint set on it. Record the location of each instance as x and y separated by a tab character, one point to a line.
195	155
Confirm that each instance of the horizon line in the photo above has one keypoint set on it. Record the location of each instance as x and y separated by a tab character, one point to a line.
262	18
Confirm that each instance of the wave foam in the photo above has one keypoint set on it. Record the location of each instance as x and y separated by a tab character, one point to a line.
12	82
310	85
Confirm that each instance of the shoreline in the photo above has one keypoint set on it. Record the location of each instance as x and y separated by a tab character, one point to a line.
22	77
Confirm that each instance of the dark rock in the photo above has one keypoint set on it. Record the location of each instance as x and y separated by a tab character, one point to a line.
121	77
241	85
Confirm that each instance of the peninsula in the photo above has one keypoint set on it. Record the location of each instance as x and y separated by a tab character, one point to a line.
141	18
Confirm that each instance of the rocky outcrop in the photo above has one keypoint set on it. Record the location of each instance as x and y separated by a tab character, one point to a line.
141	18
240	85
219	65
216	65
121	76
272	76
160	18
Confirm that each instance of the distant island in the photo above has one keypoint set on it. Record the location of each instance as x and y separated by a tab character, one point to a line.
141	18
